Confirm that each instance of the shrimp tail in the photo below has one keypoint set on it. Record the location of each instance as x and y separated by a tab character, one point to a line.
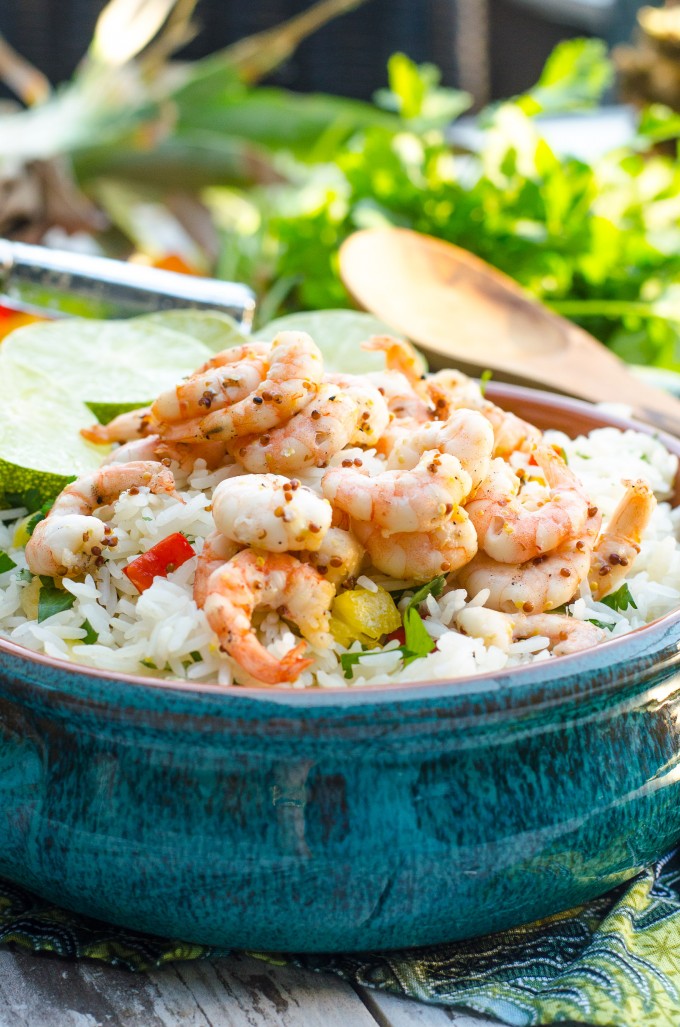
274	671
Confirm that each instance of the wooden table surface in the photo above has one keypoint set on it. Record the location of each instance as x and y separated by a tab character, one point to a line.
232	992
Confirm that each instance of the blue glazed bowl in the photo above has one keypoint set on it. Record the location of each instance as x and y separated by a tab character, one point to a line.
352	819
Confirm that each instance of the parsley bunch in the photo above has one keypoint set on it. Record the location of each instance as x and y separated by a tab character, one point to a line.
599	241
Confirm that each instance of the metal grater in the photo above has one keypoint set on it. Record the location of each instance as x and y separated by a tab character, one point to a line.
59	283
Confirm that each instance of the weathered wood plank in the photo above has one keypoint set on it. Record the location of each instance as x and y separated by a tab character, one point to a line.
234	992
391	1011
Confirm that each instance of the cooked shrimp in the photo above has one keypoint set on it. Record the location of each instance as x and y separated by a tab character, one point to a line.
449	390
69	538
280	582
510	432
153	447
271	512
136	449
134	424
372	410
452	390
399	356
228	377
565	634
466	435
217	550
511	533
331	421
402	399
407	411
492	627
420	499
420	555
538	585
293	380
339	556
619	544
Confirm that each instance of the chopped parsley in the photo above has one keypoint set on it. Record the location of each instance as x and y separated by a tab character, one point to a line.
349	660
484	378
52	600
620	600
6	562
417	641
601	624
91	636
34	520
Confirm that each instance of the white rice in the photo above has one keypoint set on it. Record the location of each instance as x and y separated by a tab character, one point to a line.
162	632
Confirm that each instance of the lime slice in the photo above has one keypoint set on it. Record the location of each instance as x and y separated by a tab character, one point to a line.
110	365
41	448
338	334
215	330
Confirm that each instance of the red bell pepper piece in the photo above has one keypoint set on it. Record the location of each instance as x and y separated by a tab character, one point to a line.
397	636
166	556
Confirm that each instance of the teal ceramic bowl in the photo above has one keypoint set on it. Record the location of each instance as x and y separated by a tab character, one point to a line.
345	820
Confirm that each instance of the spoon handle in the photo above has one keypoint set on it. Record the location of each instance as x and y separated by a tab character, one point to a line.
594	373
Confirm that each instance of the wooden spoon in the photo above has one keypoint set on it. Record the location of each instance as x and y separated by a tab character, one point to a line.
464	312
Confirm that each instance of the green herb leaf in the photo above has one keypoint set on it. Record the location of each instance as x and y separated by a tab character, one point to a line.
484	377
32	500
659	123
6	562
415	94
621	599
34	520
349	660
417	640
574	77
432	588
52	600
25	575
149	663
600	624
196	656
91	636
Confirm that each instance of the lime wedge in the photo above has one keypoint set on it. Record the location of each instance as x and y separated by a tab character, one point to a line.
338	334
109	365
215	330
41	448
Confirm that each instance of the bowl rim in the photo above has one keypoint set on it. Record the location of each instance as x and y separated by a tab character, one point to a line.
486	686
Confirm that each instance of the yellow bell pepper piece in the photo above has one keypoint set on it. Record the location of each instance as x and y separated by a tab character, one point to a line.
21	532
341	632
363	615
30	598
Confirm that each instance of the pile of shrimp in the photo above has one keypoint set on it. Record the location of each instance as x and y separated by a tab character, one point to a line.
464	489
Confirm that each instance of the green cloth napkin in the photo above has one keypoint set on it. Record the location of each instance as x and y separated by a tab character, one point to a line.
614	961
